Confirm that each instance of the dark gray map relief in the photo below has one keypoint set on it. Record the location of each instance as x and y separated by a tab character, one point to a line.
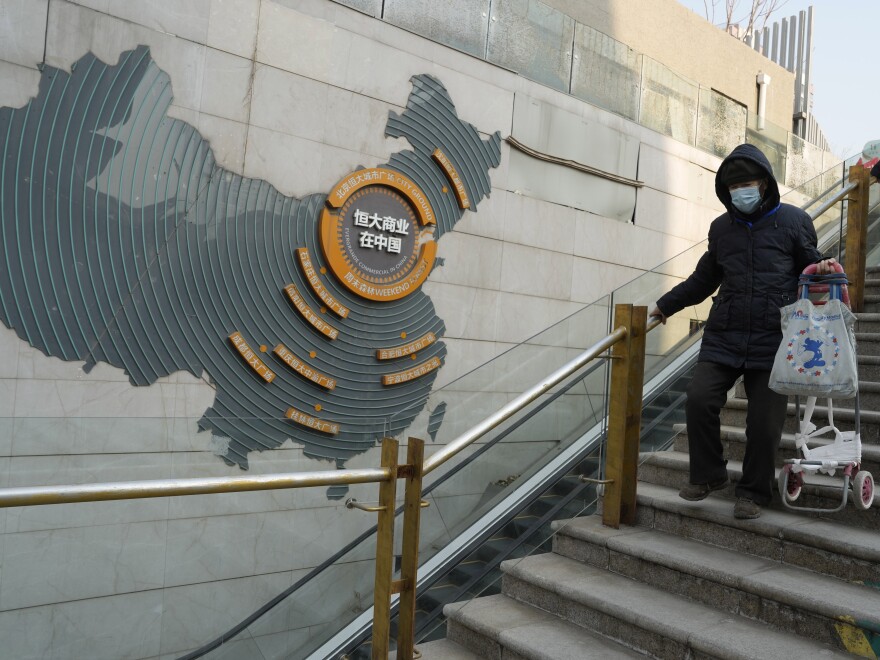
124	242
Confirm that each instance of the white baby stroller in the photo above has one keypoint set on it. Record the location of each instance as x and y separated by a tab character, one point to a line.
845	452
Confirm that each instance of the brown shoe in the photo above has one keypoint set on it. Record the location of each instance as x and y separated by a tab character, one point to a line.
746	509
697	492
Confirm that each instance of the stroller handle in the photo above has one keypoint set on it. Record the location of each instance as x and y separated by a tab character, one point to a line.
810	282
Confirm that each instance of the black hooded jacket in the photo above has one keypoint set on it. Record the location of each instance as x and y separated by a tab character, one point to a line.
756	260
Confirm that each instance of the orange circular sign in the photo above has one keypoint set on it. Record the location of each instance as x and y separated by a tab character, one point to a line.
377	234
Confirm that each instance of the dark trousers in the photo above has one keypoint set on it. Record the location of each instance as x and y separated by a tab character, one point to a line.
707	394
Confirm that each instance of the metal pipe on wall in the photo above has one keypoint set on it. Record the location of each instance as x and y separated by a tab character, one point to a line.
763	81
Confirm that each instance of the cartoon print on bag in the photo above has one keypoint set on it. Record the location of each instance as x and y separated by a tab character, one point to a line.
815	347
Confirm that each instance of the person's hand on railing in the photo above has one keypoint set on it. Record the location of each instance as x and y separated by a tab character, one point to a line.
826	266
658	314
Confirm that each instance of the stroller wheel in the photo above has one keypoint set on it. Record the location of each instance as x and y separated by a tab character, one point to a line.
863	490
790	484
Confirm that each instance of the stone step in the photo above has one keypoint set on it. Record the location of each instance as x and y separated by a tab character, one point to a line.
500	627
869	395
820	545
733	439
670	469
869	367
734	414
867	322
441	649
650	619
782	596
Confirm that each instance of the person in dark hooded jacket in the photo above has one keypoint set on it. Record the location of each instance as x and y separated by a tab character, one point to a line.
756	251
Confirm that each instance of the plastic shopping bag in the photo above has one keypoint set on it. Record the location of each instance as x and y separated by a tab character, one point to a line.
817	356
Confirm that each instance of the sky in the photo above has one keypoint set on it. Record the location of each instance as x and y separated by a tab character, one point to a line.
846	59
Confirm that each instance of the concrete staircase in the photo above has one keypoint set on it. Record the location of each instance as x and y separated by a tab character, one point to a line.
689	580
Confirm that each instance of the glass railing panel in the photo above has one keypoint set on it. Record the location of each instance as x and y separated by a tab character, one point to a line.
804	163
159	576
666	342
606	72
721	124
472	397
514	456
770	139
294	628
522	537
669	102
461	25
532	39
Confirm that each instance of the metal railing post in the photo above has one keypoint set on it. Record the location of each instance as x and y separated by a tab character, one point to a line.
624	417
857	236
412	507
384	552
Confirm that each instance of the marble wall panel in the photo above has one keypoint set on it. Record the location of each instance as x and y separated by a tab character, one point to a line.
299	43
192	399
226	86
32	364
55	436
522	316
366	57
87	468
462	356
491	216
287	103
469	261
20	83
232	26
337	163
289	163
479	99
74	30
534	272
664	172
125	626
4	477
666	213
85	514
194	614
699	218
7	406
224	547
108	559
536	223
22	31
590	279
227	139
355	122
83	398
468	312
186	18
10	347
626	244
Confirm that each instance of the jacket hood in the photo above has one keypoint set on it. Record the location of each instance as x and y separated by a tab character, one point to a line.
770	200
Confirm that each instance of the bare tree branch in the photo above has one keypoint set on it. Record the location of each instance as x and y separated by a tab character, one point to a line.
754	14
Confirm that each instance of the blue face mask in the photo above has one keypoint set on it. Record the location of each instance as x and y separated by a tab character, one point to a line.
746	199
